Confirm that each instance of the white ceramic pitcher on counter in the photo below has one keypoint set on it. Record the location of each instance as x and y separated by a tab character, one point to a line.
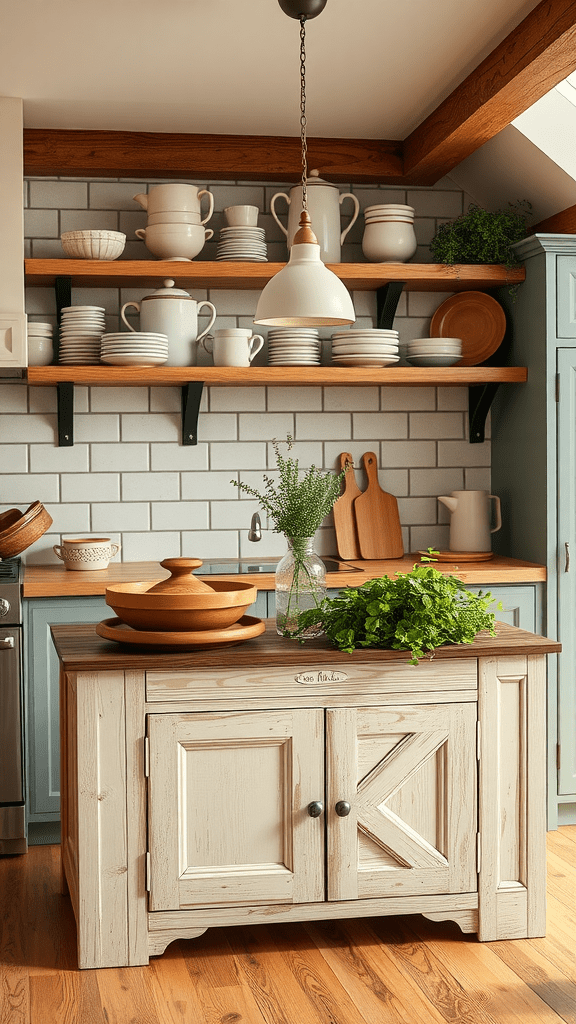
470	520
324	201
173	312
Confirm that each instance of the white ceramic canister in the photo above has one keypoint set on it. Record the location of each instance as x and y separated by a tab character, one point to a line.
173	312
173	196
324	201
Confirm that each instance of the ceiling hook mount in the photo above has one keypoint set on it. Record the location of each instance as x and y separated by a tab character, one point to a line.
302	8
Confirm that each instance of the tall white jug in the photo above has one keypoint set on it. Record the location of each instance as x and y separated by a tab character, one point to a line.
470	521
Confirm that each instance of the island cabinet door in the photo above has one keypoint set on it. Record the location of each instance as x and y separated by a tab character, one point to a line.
409	777
228	808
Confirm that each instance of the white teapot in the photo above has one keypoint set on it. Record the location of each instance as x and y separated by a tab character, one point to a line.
324	202
172	311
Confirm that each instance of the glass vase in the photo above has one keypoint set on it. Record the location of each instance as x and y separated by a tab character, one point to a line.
300	585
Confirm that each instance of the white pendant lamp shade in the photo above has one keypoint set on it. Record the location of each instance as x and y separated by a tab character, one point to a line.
304	293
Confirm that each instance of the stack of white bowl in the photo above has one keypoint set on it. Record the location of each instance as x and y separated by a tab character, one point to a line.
434	351
175	228
81	329
389	233
365	346
242	239
294	346
40	344
134	348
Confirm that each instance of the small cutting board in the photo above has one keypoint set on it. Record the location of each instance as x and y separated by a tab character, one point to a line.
377	518
344	516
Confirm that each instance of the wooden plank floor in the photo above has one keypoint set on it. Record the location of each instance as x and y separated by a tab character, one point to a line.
367	971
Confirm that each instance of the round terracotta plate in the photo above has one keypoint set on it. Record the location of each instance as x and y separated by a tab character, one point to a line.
459	556
246	628
477	319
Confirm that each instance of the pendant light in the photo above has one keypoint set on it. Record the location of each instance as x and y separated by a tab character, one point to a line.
304	293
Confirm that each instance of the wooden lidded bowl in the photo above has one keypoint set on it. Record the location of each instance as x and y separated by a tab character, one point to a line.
182	603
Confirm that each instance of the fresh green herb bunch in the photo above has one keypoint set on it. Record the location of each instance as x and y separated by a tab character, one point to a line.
296	504
479	236
416	611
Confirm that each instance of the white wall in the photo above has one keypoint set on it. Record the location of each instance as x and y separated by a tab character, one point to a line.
128	476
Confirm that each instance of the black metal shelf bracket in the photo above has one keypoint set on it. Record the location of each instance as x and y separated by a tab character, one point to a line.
65	397
191	399
387	299
480	398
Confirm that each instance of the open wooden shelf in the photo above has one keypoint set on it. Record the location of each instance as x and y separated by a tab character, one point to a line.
261	376
198	274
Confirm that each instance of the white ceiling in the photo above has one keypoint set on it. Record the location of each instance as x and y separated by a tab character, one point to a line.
375	68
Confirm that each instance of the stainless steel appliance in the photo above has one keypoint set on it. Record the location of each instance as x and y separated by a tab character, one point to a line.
12	810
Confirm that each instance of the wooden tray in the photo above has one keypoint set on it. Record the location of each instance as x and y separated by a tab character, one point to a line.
458	556
246	628
476	318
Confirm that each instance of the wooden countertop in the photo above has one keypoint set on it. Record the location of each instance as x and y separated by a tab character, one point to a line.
56	581
81	649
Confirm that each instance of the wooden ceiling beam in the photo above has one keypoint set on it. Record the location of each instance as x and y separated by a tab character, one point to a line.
538	53
563	223
206	157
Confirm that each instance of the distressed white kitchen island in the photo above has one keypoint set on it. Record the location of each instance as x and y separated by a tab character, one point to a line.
278	781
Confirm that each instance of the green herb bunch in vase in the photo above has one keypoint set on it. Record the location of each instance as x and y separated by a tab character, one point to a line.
296	504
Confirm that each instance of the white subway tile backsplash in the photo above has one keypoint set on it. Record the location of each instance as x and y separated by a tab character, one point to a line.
387	425
179	457
178	499
90	487
45	458
436	424
424	537
180	515
120	516
119	457
150	486
151	427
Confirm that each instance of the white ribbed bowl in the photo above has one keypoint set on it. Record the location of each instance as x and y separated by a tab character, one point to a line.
93	245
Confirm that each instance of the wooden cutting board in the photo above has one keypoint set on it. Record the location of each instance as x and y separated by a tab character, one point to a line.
344	516
377	518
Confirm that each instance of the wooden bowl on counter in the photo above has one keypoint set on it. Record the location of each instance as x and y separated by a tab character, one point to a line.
182	603
18	532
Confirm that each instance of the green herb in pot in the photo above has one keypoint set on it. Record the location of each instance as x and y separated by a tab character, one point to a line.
416	611
480	236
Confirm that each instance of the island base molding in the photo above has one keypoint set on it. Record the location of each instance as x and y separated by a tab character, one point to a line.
177	818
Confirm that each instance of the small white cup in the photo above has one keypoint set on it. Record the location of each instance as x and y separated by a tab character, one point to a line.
242	216
86	553
232	346
40	351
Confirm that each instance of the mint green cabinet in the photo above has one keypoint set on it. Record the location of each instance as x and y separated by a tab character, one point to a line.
534	474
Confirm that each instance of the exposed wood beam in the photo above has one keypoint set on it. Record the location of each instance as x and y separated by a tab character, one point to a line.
563	223
206	157
538	53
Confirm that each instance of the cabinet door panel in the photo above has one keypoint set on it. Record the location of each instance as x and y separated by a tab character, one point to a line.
228	796
566	297
567	568
410	777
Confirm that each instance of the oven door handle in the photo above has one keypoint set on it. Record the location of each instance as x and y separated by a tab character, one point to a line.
6	643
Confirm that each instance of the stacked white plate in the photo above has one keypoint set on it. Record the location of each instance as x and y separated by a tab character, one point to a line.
242	243
37	330
134	348
294	346
365	347
434	351
81	329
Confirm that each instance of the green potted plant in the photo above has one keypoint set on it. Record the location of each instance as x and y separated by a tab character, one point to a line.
480	236
297	504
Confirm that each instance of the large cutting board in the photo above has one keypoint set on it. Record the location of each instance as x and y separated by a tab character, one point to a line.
344	516
377	517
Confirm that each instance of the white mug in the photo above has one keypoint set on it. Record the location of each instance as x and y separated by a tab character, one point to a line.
86	552
242	216
232	346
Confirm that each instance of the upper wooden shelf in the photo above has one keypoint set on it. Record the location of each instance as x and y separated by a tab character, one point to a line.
255	376
197	274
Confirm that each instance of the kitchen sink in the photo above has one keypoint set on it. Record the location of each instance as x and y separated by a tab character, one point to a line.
247	565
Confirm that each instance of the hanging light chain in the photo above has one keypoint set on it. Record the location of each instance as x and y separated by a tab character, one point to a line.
303	110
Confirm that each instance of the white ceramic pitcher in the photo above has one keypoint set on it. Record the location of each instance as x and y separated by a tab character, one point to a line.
173	197
324	201
470	519
172	311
